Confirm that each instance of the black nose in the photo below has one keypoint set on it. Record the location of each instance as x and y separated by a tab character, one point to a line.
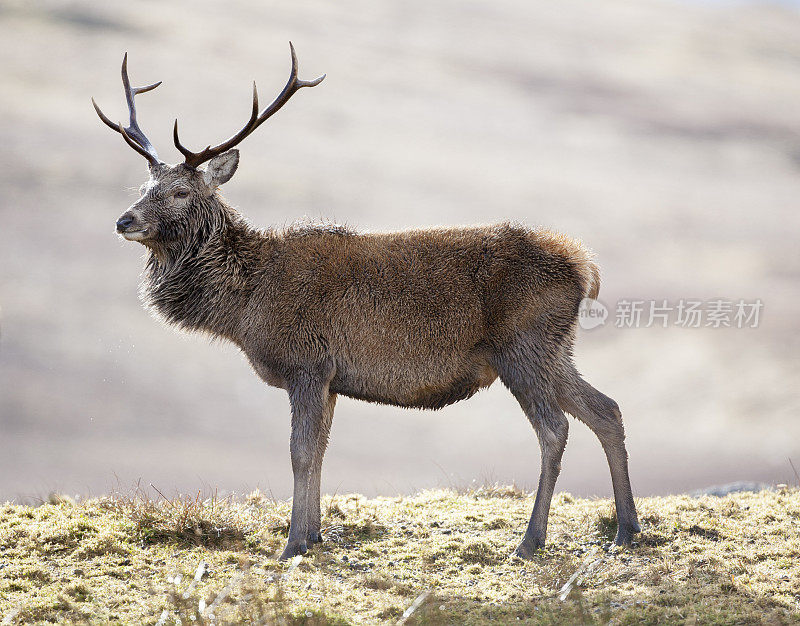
123	222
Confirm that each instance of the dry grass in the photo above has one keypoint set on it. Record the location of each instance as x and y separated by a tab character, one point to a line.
131	559
196	521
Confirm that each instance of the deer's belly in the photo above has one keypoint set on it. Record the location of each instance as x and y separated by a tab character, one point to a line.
407	390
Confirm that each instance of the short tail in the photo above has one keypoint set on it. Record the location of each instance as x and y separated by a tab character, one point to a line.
577	255
592	278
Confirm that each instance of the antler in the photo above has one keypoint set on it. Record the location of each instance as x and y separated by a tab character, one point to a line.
193	159
132	135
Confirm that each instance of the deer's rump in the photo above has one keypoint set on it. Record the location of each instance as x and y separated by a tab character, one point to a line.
415	318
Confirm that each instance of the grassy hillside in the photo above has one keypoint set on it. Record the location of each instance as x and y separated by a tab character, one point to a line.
440	556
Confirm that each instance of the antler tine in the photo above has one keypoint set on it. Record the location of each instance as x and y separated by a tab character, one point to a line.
191	155
133	135
193	159
133	129
134	144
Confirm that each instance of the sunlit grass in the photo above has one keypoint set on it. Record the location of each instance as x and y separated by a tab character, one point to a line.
197	559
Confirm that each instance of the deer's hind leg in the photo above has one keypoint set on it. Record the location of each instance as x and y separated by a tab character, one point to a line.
602	415
552	428
524	375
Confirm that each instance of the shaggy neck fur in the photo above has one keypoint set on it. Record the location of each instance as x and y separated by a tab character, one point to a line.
205	282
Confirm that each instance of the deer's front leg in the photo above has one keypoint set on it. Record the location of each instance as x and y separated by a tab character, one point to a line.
314	517
309	398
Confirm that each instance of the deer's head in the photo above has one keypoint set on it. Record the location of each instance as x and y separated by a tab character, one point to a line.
179	200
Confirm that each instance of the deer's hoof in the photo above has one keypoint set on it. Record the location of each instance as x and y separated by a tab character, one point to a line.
528	548
625	533
293	548
314	537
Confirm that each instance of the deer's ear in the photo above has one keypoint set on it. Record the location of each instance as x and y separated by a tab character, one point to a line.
220	169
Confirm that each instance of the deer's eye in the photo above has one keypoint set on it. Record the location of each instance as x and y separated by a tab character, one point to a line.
181	194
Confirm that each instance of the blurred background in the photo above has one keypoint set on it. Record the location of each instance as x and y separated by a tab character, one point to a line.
664	134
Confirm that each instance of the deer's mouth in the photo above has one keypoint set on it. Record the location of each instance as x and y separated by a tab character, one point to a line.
134	235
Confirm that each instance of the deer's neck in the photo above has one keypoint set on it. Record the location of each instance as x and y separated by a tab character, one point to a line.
206	287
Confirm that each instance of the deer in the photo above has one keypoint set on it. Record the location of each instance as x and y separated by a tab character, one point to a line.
419	318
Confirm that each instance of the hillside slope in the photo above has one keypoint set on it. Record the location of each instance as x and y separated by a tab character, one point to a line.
445	555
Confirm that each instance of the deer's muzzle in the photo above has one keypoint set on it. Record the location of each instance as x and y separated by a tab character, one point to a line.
130	226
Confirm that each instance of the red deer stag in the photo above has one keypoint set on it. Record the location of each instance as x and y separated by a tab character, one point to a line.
418	318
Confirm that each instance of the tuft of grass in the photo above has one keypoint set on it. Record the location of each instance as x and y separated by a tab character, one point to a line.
438	557
607	522
479	551
495	490
212	522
